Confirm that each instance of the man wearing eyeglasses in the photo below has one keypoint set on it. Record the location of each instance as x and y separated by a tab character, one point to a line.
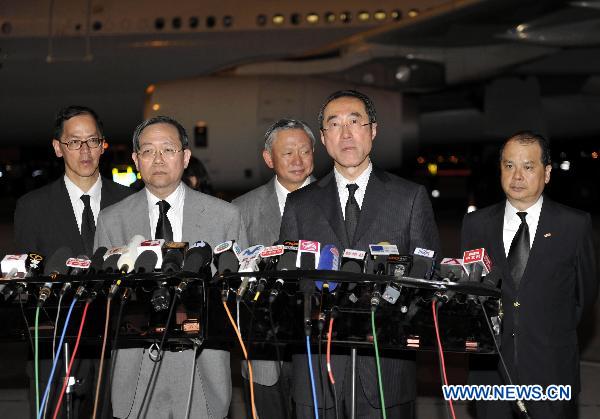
63	213
353	206
167	208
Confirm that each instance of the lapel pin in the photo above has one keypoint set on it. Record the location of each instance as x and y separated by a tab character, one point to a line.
547	235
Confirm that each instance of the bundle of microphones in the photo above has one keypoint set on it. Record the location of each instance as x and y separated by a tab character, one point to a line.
192	262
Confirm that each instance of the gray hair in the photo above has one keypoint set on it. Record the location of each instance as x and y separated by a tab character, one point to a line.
285	124
160	120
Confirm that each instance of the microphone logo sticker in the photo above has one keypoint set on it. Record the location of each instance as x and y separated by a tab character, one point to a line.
223	247
252	251
419	251
272	251
78	263
309	246
354	254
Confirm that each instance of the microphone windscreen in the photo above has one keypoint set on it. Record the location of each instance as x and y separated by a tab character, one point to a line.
307	261
197	258
228	262
287	262
351	266
57	262
98	259
145	262
172	261
110	264
493	278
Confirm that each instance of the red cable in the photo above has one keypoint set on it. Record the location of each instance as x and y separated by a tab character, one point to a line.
329	371
441	352
64	387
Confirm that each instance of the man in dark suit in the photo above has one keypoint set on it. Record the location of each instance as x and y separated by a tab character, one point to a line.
168	209
289	146
353	206
63	213
545	253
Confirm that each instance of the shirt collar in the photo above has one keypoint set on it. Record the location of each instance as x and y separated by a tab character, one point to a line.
533	212
282	192
362	180
95	191
174	200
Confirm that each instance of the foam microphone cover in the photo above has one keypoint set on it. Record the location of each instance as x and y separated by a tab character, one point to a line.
228	262
57	262
145	262
172	261
197	258
287	262
97	260
110	264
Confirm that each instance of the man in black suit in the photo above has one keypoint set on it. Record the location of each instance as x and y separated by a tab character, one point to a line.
64	213
353	206
545	253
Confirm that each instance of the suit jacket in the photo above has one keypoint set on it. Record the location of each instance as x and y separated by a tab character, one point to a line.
45	221
539	337
204	218
393	210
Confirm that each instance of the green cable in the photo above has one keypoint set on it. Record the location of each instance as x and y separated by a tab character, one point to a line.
36	356
379	378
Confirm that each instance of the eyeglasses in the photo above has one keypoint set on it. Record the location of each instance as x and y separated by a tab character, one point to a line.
335	127
75	144
166	153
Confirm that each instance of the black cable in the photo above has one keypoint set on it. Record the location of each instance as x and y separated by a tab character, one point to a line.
26	322
107	389
158	361
437	308
249	349
282	392
320	352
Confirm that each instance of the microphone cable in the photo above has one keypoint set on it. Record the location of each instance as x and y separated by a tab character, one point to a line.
159	357
66	382
282	392
124	298
241	341
312	377
320	326
434	308
56	322
520	403
329	369
102	353
55	361
378	362
36	357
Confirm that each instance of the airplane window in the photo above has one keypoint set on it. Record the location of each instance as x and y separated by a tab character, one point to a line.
329	17
379	15
261	20
312	18
363	16
295	18
396	14
346	17
227	21
210	22
159	23
176	22
97	25
193	22
278	19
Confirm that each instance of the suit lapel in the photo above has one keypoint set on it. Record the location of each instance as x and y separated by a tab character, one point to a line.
269	207
329	202
193	207
66	216
374	199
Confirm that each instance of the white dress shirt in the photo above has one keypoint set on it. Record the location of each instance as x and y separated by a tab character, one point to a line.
75	193
175	213
282	192
512	222
360	181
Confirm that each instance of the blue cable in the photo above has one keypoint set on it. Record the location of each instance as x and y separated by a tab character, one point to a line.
55	361
312	378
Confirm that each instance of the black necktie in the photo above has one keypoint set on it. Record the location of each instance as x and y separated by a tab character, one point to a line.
163	226
519	250
88	227
352	211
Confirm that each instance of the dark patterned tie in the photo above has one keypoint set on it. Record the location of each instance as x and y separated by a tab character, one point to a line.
519	250
163	226
88	226
352	212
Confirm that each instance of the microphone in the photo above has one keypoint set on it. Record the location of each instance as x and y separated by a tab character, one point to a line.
110	263
286	262
249	263
97	260
56	266
397	266
145	262
379	254
127	260
308	254
477	262
329	260
197	259
453	269
154	246
172	261
13	266
423	263
354	261
227	256
270	257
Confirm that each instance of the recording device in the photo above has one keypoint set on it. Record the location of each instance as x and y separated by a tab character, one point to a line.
478	263
397	266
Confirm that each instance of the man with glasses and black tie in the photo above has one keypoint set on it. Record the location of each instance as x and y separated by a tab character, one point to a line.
63	213
545	253
353	206
167	208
